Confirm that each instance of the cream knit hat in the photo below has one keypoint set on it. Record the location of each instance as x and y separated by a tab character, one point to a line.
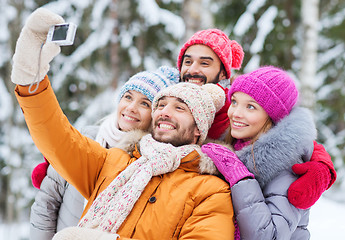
203	101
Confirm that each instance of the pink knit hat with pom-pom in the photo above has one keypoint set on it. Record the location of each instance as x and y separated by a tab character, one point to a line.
229	51
273	89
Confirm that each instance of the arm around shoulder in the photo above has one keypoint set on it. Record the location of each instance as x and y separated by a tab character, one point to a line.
315	177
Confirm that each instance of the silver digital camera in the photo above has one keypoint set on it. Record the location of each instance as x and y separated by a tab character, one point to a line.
62	34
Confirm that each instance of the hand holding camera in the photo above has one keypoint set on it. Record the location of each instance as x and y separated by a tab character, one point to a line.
33	52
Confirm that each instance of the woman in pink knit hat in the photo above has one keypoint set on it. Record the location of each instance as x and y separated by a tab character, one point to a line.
269	135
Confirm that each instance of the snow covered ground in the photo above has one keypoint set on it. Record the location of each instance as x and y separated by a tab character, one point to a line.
327	221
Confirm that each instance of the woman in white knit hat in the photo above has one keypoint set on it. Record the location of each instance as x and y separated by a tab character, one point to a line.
58	204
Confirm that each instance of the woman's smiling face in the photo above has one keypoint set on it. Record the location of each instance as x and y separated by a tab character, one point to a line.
134	112
247	117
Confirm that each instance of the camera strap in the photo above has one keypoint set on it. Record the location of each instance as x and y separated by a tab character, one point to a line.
37	74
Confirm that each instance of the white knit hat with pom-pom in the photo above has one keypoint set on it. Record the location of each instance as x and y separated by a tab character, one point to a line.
203	102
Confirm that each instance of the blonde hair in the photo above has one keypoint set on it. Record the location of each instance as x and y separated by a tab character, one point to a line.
267	126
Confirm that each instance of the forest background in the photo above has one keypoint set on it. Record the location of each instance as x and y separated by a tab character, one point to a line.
116	39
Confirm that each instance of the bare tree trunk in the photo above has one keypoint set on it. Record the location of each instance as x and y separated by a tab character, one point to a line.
196	17
289	7
141	45
114	44
4	199
310	21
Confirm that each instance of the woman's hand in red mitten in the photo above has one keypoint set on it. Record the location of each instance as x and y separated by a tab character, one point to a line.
316	176
39	172
307	189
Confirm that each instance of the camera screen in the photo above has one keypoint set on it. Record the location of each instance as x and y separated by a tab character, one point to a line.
60	32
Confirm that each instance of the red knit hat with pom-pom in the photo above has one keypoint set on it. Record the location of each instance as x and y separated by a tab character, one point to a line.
229	51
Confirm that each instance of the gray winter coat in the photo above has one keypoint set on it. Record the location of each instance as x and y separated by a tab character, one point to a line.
57	204
261	206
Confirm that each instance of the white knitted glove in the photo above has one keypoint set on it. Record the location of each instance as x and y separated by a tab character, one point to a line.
80	233
28	49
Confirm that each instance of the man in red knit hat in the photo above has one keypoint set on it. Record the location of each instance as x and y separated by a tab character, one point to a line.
208	57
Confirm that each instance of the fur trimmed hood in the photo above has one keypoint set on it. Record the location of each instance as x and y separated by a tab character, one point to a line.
289	142
132	139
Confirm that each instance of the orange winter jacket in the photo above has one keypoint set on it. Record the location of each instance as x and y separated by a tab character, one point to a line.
183	204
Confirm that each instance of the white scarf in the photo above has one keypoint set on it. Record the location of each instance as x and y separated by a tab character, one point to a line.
113	205
109	135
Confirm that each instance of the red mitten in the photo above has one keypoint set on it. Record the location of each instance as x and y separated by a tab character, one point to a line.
221	120
321	155
307	189
39	172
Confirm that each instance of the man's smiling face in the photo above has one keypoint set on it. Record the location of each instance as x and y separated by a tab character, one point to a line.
201	65
173	122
